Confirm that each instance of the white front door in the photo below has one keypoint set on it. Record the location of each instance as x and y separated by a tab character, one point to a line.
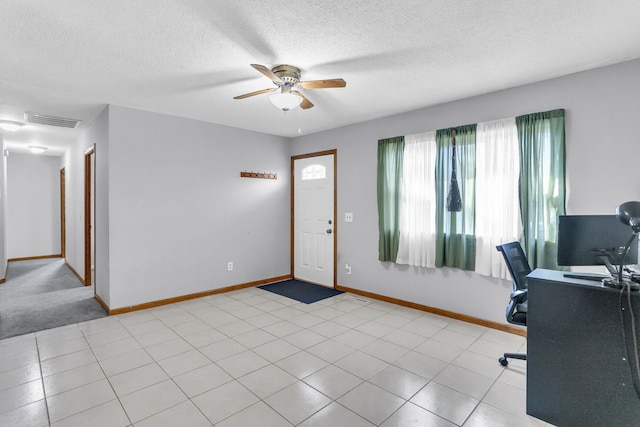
314	224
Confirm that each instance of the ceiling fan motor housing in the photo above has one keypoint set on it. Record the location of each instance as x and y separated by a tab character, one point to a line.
289	74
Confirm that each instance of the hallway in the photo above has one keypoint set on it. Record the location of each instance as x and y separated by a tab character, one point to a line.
43	294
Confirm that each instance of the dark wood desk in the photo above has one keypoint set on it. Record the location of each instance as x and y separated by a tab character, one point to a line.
578	342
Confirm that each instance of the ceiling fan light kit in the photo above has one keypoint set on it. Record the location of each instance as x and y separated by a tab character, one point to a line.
285	101
285	96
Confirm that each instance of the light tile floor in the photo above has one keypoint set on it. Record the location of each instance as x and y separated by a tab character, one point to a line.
253	358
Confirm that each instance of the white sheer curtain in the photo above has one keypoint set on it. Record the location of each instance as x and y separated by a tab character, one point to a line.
497	207
418	210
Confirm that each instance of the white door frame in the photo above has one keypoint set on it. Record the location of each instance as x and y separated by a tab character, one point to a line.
333	152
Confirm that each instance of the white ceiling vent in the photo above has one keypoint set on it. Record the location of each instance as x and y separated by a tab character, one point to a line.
51	121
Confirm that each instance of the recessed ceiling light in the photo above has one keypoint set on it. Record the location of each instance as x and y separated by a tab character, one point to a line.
10	125
35	149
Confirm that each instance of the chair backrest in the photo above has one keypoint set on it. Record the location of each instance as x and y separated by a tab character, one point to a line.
516	263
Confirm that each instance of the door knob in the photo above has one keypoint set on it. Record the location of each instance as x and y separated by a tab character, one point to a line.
329	231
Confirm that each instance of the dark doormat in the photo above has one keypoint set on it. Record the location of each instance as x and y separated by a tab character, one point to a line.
301	291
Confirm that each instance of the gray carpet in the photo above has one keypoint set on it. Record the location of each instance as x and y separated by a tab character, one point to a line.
42	294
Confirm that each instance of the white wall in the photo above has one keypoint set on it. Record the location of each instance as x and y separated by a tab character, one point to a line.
33	214
603	149
3	211
179	211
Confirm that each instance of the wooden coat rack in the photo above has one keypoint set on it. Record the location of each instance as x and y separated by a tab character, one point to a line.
260	175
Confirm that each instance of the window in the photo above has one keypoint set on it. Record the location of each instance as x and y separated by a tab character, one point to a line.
510	173
314	172
418	198
456	222
497	204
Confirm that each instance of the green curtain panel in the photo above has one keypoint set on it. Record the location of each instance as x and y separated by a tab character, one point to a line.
455	231
542	184
390	156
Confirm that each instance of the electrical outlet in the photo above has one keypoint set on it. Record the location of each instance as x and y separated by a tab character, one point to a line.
229	266
348	217
347	268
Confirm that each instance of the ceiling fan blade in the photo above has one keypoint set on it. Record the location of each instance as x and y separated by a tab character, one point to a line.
267	72
258	92
321	84
305	104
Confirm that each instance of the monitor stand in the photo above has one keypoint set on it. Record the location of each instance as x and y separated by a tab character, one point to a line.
613	271
613	282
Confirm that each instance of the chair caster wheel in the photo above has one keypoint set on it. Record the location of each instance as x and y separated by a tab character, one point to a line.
503	361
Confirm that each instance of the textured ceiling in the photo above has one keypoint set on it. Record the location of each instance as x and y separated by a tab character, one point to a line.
189	58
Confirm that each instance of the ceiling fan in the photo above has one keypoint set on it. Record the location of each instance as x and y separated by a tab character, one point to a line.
286	95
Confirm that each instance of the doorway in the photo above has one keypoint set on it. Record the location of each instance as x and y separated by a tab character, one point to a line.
89	212
313	227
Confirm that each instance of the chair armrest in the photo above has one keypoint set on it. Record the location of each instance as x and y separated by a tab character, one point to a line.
517	308
519	296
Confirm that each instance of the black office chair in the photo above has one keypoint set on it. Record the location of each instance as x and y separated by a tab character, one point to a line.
517	309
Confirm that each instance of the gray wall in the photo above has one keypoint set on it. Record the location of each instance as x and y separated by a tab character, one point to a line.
179	211
602	114
98	134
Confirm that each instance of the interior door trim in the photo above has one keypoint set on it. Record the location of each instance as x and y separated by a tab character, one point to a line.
335	207
88	180
63	214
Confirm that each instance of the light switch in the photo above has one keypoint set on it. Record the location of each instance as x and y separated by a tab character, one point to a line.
348	217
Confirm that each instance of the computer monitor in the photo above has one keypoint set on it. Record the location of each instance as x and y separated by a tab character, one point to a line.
594	240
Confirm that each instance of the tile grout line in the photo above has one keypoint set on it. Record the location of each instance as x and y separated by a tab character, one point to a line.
353	327
44	391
